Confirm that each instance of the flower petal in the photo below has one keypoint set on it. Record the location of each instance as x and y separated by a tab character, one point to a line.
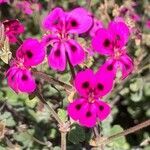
54	20
109	67
26	83
57	57
104	82
120	32
126	65
102	42
96	25
79	21
88	115
20	80
49	39
32	52
75	52
103	110
12	78
74	108
84	82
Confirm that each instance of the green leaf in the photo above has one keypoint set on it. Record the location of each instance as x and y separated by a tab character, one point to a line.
8	119
147	89
119	143
2	148
76	135
31	103
24	137
62	114
53	133
56	148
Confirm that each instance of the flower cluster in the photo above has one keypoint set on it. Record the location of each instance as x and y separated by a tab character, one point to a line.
62	28
28	7
89	108
4	1
111	42
19	76
13	28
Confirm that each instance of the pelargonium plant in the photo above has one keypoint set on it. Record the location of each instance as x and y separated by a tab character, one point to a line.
58	49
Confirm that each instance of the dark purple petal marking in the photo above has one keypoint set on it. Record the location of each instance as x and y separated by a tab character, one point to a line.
85	84
100	86
101	108
57	53
74	23
106	43
88	114
24	77
29	54
55	22
78	106
73	48
110	67
127	66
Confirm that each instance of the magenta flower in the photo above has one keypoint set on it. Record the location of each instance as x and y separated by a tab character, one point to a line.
13	28
96	25
19	76
89	108
111	42
25	7
4	1
31	52
63	26
20	79
148	24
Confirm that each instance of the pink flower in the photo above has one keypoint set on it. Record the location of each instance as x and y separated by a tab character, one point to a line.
31	52
13	28
130	12
4	1
20	79
25	7
19	76
148	24
63	26
111	42
89	108
28	7
97	25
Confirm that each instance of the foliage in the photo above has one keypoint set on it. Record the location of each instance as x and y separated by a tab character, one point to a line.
28	122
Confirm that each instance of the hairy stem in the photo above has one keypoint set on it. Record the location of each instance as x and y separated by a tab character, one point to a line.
54	114
63	140
105	11
63	127
51	80
126	132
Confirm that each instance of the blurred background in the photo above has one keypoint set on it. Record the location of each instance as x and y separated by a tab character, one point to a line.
25	123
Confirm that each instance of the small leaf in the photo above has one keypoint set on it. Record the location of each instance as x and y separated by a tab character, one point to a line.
8	119
76	135
119	143
62	114
24	137
31	103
